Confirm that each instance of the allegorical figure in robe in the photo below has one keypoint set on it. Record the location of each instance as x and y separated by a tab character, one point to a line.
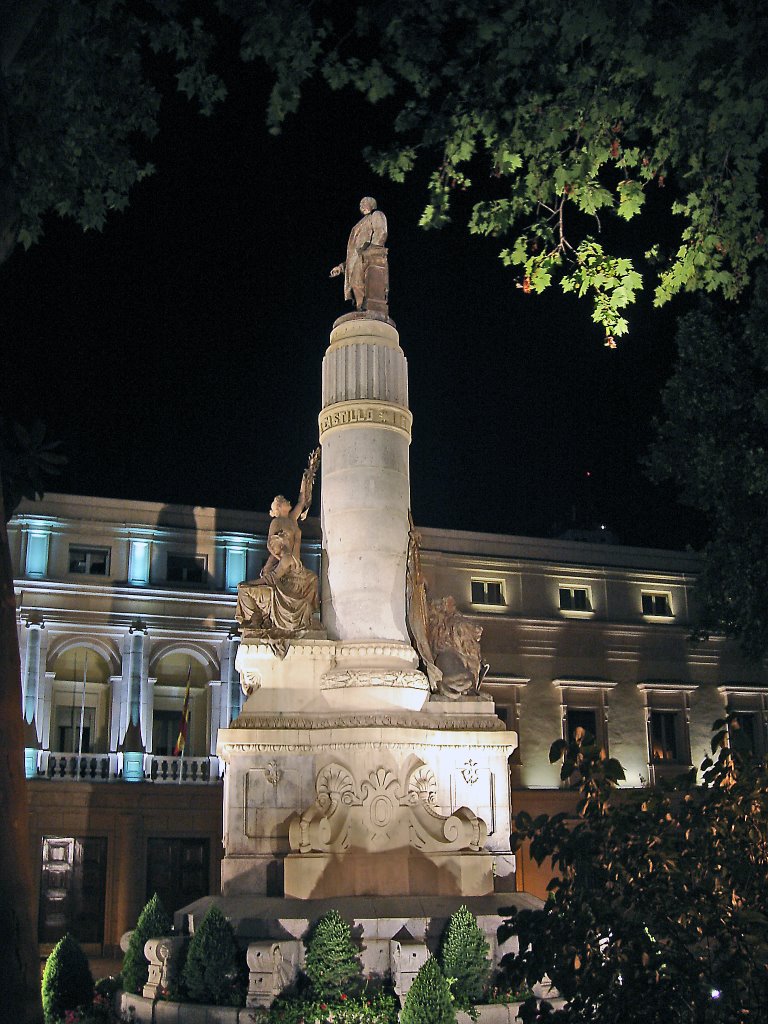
285	596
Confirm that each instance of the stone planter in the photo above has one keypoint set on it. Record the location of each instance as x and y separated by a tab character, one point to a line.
163	1011
491	1013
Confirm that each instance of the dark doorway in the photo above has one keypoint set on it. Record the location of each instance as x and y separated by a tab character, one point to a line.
72	890
177	870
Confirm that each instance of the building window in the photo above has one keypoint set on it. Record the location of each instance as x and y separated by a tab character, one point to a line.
666	728
138	563
580	718
657	605
743	727
73	889
178	869
668	707
584	704
37	553
575	599
487	592
89	561
67	736
235	567
186	568
747	711
165	732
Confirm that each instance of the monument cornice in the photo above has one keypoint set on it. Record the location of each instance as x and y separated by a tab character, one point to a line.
413	722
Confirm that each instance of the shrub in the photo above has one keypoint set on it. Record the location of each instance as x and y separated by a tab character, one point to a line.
665	889
365	1009
153	922
67	980
213	971
429	998
464	956
331	962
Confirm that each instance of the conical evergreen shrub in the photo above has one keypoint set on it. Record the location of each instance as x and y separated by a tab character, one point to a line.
331	961
429	998
67	980
464	956
212	973
153	922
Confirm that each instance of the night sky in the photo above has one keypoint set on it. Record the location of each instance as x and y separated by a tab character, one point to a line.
177	355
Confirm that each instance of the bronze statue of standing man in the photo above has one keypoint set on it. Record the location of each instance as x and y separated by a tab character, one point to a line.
366	274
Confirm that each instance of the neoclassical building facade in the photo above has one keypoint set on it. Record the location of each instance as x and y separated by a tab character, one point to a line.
124	607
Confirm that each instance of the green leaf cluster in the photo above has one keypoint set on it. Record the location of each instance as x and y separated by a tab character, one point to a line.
67	980
557	118
331	963
659	910
153	922
214	969
26	459
464	957
429	999
77	98
368	1008
713	442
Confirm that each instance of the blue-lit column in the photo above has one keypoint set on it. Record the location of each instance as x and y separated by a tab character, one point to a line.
226	695
33	654
133	699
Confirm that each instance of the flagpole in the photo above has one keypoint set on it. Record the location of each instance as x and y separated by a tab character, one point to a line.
82	715
181	742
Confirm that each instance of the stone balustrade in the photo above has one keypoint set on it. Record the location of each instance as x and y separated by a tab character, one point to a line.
105	767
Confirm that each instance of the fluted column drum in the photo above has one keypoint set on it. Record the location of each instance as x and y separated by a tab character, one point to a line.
365	431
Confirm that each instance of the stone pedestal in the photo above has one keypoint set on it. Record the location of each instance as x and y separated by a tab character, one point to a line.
346	783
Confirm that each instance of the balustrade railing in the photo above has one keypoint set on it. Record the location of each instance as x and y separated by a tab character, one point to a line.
189	769
59	765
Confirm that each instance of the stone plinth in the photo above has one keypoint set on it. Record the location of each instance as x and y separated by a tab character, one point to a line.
345	780
399	872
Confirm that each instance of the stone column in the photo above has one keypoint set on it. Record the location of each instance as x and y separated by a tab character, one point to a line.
365	431
34	643
133	691
226	695
44	708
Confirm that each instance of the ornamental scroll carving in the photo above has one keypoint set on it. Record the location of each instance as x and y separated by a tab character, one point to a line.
382	812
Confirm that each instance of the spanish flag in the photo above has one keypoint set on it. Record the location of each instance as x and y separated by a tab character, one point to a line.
181	740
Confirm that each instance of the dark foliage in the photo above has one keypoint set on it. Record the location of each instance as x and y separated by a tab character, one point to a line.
153	922
67	980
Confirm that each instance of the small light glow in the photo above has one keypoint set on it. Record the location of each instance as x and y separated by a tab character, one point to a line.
37	553
133	766
235	567
30	762
602	526
138	567
716	993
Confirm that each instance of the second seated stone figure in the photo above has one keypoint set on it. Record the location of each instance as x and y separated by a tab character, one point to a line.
282	601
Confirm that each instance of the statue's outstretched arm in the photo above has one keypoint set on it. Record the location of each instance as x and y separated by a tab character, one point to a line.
307	483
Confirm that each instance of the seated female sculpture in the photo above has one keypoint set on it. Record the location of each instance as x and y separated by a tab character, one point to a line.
285	596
